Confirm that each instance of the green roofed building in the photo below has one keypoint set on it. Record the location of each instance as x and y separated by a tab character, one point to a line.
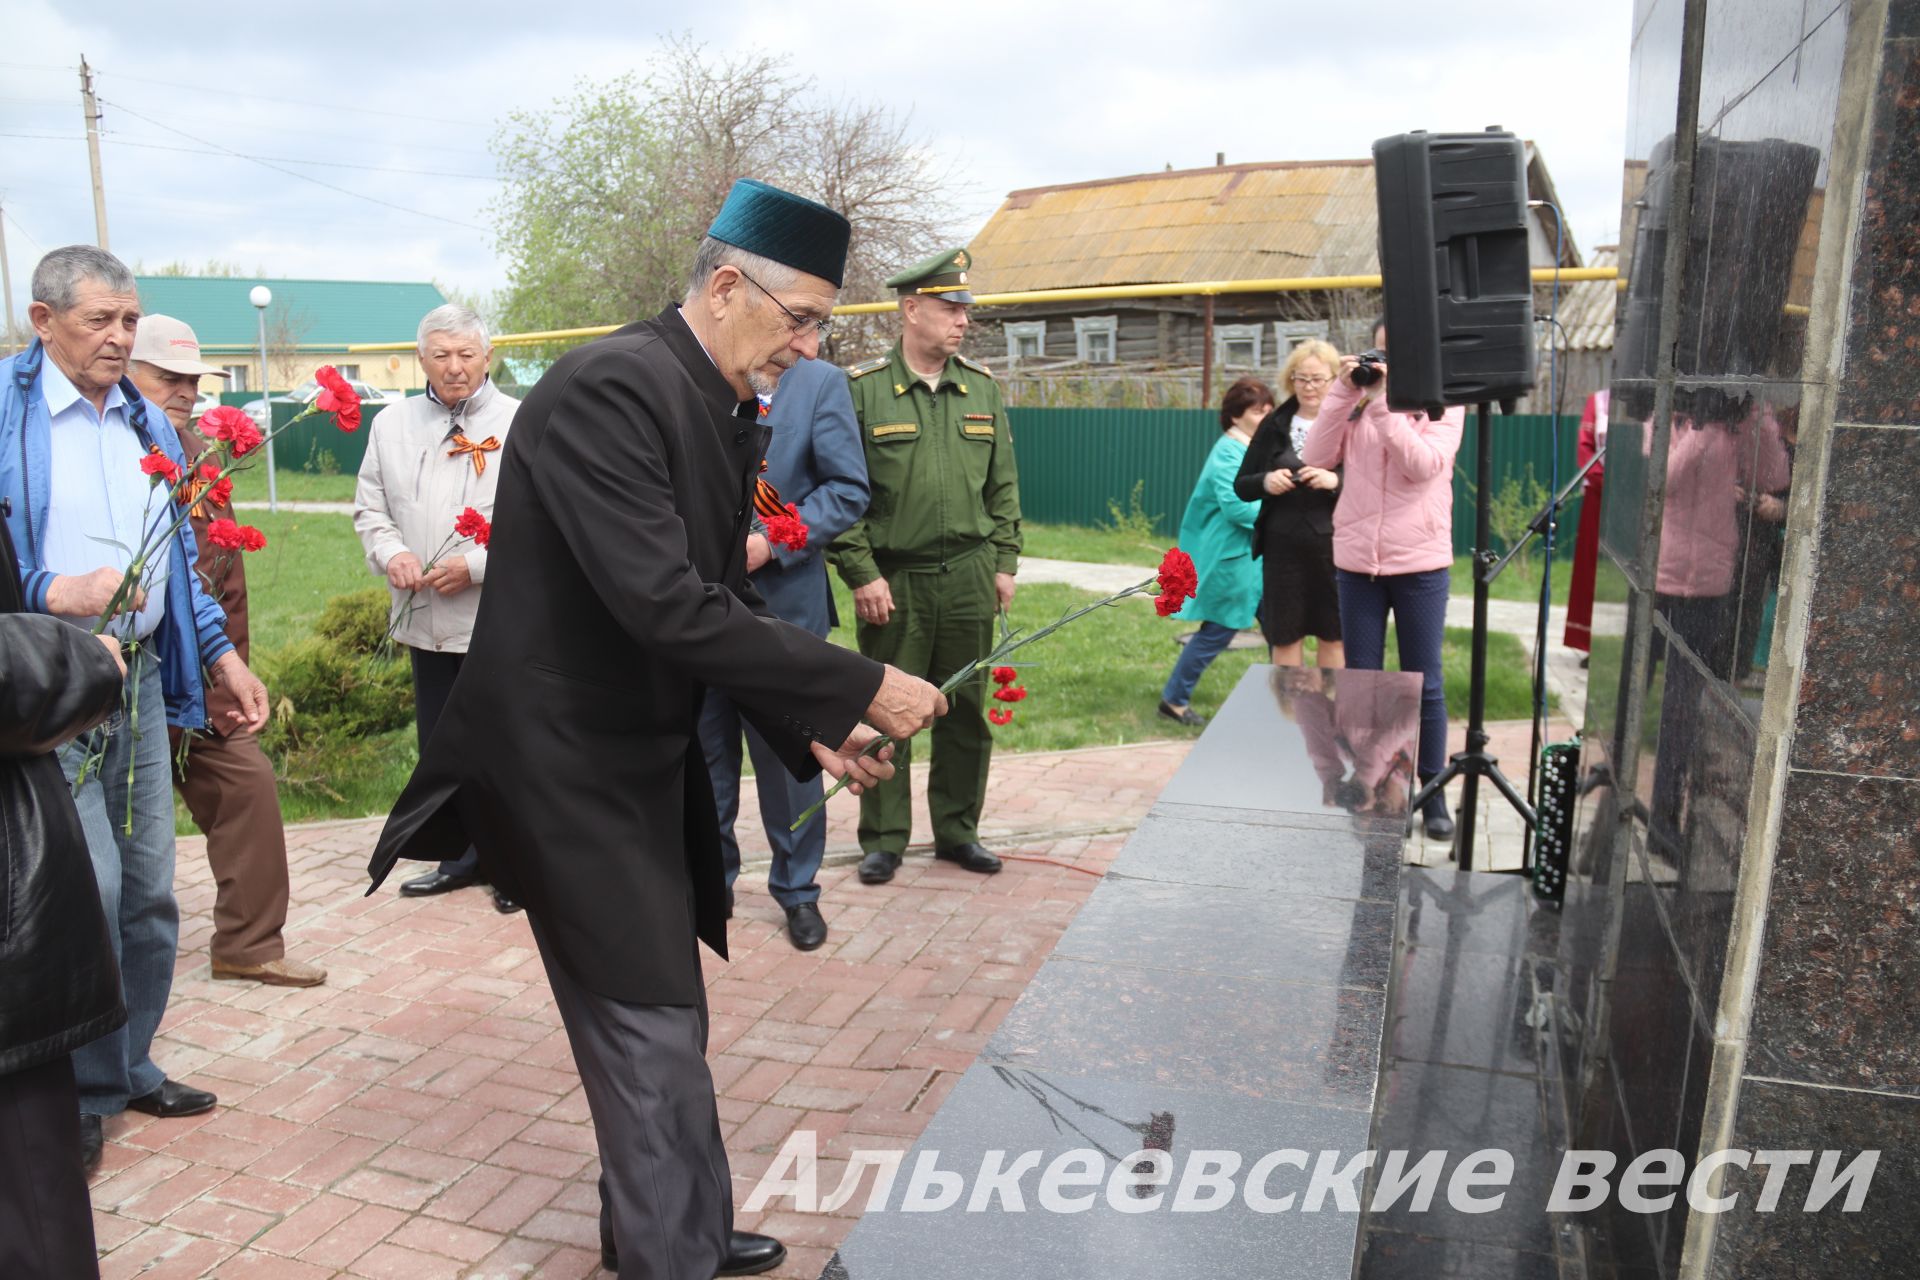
309	323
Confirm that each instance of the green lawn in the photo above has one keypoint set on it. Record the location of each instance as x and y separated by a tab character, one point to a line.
1096	683
250	485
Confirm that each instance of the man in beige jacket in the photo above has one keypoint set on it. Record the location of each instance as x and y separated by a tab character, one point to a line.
428	459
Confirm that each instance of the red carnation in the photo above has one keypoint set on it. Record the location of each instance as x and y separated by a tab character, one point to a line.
227	535
1005	675
1178	583
1009	693
224	422
788	530
337	398
160	465
471	524
999	716
251	539
219	488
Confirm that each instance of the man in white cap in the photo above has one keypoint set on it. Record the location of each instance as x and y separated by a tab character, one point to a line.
227	780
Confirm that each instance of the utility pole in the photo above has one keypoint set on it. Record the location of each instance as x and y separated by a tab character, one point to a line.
6	277
90	105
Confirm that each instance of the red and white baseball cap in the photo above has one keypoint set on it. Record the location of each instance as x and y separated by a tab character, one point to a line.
169	344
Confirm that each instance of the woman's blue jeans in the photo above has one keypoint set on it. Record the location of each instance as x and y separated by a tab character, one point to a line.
1418	602
1195	657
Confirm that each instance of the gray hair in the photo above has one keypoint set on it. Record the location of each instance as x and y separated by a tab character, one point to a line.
452	318
57	280
715	254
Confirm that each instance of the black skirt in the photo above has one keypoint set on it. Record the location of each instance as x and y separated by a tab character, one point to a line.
1299	595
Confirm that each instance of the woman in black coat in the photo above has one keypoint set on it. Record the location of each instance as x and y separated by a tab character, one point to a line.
59	985
1293	534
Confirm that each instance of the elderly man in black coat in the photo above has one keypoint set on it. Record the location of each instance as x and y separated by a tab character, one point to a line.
62	987
568	752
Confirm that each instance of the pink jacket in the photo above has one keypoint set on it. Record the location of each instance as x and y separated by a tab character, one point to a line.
1712	468
1396	501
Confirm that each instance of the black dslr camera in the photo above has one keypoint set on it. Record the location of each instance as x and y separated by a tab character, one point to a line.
1367	372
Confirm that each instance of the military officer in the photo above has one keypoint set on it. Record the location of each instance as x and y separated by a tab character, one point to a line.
934	558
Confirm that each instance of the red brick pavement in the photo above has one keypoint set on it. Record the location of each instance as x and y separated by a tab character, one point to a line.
419	1116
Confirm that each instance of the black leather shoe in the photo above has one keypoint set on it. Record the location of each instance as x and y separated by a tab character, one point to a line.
1185	715
1439	827
434	882
173	1100
504	905
92	1143
972	857
805	926
878	867
748	1254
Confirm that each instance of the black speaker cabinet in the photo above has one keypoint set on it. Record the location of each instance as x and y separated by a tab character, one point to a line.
1456	266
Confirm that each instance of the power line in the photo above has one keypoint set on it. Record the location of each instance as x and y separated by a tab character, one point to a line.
291	173
331	164
292	102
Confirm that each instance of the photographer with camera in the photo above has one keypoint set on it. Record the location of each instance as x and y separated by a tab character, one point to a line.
1392	536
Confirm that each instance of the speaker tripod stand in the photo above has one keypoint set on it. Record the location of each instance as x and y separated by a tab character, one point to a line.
1475	762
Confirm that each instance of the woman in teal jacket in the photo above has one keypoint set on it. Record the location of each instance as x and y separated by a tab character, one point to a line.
1217	531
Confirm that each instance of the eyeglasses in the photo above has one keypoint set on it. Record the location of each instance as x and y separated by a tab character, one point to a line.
1299	381
801	325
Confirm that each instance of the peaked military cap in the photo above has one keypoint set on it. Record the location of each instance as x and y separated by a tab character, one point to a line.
944	276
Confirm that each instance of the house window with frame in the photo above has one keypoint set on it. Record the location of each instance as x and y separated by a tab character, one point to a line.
1288	334
238	379
1026	340
1096	339
1237	346
349	371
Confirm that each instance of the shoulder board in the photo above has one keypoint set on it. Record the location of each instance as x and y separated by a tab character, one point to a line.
870	366
974	364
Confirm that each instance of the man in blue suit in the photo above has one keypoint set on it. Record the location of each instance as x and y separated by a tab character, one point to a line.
817	462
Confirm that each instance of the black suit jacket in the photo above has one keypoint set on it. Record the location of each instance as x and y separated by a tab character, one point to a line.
1300	515
615	595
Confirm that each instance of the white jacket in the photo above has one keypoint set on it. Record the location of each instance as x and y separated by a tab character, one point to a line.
411	491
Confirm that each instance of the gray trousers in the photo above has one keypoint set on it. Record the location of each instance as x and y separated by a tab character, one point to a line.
664	1177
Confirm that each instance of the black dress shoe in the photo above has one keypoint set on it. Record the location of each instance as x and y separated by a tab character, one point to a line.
805	926
1185	715
1439	827
173	1100
748	1254
973	857
504	905
878	867
434	882
92	1142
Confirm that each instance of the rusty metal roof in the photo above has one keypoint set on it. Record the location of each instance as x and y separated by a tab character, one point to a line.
1587	306
1230	222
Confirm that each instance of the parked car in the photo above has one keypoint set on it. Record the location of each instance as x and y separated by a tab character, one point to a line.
207	400
369	394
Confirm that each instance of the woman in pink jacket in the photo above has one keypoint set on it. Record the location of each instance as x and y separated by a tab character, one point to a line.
1393	541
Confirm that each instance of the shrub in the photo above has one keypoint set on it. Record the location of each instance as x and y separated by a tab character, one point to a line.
356	621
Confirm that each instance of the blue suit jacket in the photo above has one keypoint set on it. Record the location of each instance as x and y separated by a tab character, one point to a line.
816	461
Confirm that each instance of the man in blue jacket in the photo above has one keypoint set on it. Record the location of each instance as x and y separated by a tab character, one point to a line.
817	463
73	433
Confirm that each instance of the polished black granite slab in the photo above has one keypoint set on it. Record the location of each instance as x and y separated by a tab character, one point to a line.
1881	381
1223	989
1332	745
1018	1110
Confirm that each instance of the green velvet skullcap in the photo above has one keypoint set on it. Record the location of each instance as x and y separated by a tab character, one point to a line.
791	230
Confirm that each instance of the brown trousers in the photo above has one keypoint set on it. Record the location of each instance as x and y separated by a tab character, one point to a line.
229	788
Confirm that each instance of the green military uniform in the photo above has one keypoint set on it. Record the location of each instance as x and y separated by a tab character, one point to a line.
943	520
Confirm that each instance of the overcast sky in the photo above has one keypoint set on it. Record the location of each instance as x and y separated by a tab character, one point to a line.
1016	94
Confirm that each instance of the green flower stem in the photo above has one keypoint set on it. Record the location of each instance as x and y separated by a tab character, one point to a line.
1010	642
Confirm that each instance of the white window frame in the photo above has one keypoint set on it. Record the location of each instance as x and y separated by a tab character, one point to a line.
351	372
1228	333
239	380
1018	329
1288	334
1085	327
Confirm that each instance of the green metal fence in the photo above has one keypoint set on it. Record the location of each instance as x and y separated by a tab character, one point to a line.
1077	465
